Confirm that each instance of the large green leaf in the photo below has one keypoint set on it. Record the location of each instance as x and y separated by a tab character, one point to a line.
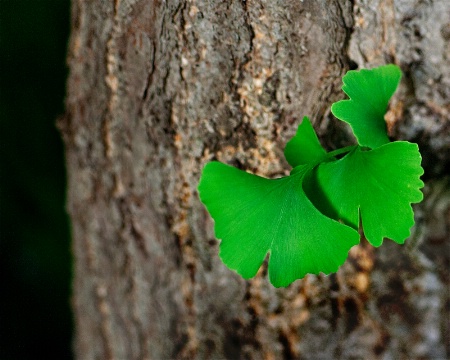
304	147
377	185
255	216
369	92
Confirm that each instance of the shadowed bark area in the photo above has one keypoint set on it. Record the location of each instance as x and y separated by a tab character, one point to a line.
159	88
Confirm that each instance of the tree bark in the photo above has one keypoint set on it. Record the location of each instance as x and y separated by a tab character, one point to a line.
159	88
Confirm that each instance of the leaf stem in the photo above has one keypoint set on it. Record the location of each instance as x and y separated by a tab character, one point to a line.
341	151
327	157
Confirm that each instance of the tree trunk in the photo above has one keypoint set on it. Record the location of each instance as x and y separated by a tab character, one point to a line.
159	88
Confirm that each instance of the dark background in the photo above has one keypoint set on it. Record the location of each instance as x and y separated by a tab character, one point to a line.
35	256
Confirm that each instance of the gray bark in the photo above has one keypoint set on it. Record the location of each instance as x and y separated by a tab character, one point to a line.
159	88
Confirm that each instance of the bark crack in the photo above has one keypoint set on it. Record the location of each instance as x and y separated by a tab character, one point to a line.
112	80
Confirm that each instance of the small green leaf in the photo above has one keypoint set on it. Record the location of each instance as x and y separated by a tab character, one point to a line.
377	185
304	147
255	216
369	92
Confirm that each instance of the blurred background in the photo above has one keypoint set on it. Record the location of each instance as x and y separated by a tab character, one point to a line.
35	256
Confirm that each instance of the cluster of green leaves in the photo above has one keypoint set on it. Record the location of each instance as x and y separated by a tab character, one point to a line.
309	220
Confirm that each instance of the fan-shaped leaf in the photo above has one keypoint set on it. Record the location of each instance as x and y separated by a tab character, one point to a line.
377	185
255	216
369	92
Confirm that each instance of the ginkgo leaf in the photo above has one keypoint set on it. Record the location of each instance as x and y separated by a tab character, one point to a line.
255	216
369	92
377	185
304	147
308	221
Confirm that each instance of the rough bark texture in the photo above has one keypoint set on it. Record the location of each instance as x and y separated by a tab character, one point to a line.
157	89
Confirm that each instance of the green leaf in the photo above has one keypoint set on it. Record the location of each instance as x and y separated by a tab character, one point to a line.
377	185
304	147
369	92
255	216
